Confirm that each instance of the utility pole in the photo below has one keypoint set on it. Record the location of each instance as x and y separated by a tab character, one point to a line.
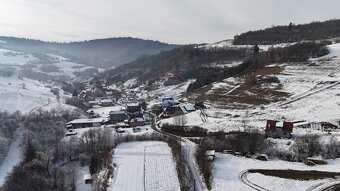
180	149
194	184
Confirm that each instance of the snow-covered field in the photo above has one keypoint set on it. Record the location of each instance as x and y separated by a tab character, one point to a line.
9	57
314	91
14	97
35	94
228	167
229	44
174	91
64	67
144	166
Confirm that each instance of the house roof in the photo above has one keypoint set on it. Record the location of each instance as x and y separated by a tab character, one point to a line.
90	120
87	177
279	124
138	119
210	153
117	112
106	100
189	107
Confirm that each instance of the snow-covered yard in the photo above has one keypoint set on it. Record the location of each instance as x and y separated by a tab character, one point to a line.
144	166
228	167
104	111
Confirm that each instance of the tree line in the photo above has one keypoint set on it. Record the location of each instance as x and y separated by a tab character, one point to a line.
290	33
299	52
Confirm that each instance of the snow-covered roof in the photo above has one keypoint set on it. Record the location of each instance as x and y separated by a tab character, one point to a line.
90	120
189	107
210	153
116	112
87	177
279	124
106	100
132	104
138	119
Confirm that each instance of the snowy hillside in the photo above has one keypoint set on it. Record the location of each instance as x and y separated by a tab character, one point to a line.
229	44
42	66
312	90
19	75
26	94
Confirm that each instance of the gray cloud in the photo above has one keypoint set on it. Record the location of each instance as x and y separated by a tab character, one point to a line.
174	21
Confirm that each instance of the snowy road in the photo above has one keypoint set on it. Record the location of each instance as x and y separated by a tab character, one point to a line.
146	165
13	158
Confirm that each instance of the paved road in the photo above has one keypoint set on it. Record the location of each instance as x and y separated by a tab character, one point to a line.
189	149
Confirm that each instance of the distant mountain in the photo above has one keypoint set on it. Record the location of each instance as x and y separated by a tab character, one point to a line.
104	53
290	33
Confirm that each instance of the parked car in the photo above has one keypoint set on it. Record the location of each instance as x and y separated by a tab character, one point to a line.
120	130
136	129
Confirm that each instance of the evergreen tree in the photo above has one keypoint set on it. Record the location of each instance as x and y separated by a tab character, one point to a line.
256	49
30	152
93	165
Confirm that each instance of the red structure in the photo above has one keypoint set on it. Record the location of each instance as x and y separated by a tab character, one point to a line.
279	129
287	127
271	125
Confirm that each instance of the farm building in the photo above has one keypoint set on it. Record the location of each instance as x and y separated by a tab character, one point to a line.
277	129
106	103
93	103
83	123
172	112
137	122
116	117
176	110
210	154
134	110
87	179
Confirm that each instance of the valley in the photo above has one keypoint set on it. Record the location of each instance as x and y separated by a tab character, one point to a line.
132	114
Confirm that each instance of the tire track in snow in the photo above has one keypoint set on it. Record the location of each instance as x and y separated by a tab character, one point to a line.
243	178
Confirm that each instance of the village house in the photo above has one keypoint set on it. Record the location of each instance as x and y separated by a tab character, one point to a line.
93	103
176	110
139	121
277	129
83	123
116	117
106	103
134	110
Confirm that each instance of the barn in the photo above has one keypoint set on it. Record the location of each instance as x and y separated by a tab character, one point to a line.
276	129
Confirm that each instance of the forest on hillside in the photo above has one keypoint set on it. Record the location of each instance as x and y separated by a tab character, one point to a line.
180	60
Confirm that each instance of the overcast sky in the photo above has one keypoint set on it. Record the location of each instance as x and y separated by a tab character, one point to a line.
173	21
